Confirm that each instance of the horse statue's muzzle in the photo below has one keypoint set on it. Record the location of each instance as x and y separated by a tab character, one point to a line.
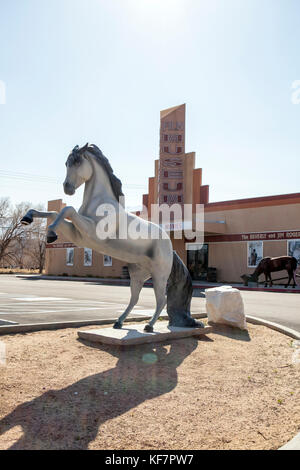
69	189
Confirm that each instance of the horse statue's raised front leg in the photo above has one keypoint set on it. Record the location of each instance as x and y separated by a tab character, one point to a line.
34	214
67	228
80	224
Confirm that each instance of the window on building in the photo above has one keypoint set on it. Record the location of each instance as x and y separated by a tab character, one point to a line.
179	149
179	126
107	260
70	257
166	149
88	257
175	174
166	186
179	185
165	198
294	249
165	138
179	198
180	138
166	174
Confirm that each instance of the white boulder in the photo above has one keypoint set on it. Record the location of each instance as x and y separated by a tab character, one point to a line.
225	305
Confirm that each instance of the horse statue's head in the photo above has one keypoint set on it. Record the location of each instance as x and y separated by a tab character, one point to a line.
248	278
80	168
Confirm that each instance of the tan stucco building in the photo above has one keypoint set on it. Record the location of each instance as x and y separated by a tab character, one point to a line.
237	234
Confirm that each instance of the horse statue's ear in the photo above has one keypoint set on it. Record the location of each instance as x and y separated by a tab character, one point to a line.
84	148
76	148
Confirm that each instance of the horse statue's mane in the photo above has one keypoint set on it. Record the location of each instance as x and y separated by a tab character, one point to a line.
115	182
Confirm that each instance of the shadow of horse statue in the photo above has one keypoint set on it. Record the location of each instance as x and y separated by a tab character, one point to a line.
70	418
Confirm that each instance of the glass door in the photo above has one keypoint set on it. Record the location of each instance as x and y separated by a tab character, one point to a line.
197	263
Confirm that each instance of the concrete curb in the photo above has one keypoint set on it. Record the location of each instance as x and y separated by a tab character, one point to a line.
293	444
274	326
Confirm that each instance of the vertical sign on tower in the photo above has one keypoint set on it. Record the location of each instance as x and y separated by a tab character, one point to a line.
171	158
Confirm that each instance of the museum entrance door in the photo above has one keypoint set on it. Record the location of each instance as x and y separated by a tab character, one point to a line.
197	263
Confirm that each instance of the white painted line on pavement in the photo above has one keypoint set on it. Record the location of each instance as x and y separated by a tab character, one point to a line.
38	299
37	308
37	312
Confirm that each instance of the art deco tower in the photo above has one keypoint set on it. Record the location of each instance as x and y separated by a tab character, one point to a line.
176	180
172	154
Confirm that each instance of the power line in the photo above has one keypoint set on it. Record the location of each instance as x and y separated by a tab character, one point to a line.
26	176
29	178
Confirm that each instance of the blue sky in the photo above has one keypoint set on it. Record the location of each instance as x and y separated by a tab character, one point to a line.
100	71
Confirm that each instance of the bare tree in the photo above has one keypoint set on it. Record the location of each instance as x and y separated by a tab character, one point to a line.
11	230
20	246
4	207
36	245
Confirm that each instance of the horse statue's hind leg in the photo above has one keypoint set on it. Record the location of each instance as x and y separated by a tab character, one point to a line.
138	276
159	285
271	282
294	277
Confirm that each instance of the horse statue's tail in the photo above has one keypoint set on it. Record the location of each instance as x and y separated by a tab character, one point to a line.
179	295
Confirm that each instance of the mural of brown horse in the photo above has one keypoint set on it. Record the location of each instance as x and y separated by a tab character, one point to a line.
269	265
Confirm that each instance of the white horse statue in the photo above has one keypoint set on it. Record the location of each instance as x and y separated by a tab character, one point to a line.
146	257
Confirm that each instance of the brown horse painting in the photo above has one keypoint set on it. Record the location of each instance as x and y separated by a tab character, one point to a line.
269	265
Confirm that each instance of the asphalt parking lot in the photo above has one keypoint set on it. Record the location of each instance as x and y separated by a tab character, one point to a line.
26	300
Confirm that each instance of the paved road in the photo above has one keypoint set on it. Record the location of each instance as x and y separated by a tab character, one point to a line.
35	301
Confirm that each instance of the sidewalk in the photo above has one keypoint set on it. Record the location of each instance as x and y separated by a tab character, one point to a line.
196	284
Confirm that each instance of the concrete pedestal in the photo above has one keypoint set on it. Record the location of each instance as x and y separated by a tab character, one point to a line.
135	334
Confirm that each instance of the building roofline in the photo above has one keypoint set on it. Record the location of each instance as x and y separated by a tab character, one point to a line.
165	112
263	201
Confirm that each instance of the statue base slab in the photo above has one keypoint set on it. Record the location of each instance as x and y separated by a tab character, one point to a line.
135	334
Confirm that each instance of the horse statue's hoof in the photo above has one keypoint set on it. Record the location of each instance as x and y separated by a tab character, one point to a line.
245	279
51	237
199	324
148	328
26	220
117	325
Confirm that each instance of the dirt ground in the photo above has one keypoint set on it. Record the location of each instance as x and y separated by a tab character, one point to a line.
226	391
